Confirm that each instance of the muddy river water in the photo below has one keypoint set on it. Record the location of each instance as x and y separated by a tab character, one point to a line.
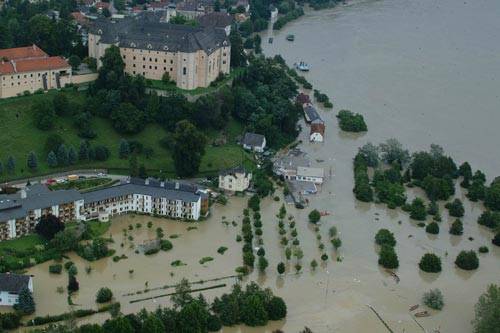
420	71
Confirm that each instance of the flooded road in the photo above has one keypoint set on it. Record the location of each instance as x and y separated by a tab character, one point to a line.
423	72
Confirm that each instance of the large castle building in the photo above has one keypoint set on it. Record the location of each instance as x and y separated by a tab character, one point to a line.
192	56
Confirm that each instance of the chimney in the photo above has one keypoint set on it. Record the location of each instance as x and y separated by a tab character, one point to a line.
23	194
162	184
177	185
146	182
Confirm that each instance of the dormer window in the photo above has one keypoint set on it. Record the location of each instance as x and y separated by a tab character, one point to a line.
150	46
165	47
132	44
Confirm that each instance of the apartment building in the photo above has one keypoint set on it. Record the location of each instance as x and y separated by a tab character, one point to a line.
20	212
192	56
30	69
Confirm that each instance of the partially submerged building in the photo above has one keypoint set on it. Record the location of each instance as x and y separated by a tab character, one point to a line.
20	212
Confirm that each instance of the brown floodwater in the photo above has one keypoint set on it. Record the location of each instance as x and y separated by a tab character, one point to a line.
418	72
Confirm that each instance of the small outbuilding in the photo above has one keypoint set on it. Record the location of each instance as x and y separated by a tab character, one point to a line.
254	142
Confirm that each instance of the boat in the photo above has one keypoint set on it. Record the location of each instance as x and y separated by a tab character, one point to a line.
414	307
302	66
270	40
422	314
290	37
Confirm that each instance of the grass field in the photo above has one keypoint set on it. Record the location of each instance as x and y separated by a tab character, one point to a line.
22	243
19	136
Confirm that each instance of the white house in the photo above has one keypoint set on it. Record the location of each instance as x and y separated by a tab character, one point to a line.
235	180
11	285
253	141
308	174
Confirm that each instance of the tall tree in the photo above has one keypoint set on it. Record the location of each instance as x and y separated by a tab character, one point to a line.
62	155
52	159
48	226
189	148
238	58
72	156
487	310
111	71
11	165
26	302
32	161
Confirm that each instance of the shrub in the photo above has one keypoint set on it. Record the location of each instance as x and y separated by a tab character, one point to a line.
496	239
261	252
221	250
433	299
455	208
336	243
263	263
430	263
314	216
388	257
351	122
103	295
280	268
332	231
166	245
151	251
432	228
483	249
324	257
417	210
489	219
385	237
467	260
204	260
276	308
457	227
55	269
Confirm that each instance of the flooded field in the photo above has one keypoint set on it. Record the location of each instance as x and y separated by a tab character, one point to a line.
417	73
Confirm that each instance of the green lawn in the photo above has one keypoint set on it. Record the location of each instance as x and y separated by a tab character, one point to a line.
19	136
97	228
22	243
158	84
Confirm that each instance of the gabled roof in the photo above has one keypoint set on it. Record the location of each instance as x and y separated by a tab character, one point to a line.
310	113
253	139
13	283
33	65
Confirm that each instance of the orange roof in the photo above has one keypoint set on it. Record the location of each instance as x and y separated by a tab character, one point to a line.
33	65
318	128
22	52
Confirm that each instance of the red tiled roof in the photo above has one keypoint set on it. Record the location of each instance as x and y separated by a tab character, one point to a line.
303	98
318	128
32	65
22	52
